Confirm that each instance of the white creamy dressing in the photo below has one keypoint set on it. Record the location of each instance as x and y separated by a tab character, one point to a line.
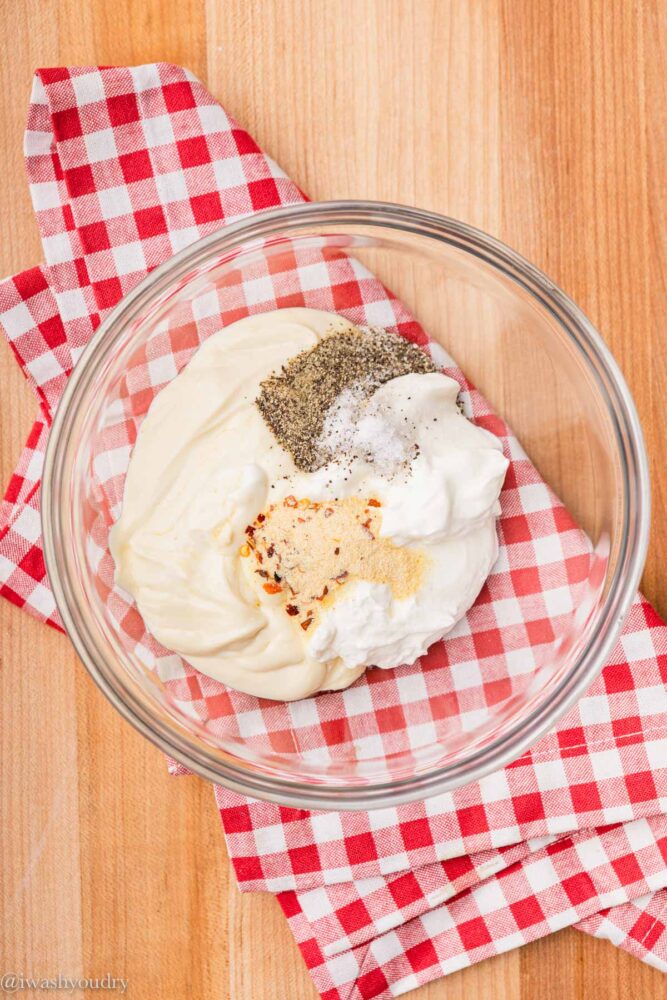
205	464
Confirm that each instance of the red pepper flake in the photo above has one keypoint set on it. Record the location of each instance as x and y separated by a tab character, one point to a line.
270	551
328	512
291	501
292	609
306	625
272	588
250	530
323	594
261	518
374	503
337	551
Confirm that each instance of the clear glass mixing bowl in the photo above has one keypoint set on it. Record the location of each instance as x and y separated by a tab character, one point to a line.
526	347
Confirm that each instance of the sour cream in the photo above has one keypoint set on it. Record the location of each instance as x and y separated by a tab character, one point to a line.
205	464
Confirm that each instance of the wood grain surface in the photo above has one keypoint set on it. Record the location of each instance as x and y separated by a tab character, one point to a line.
543	122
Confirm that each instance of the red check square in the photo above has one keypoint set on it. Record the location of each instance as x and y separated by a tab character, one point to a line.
108	292
150	222
237	819
488	643
94	237
527	912
354	916
136	166
193	152
53	331
263	194
207	208
641	787
371	984
473	820
360	845
305	859
627	869
67	124
416	833
122	109
178	96
32	563
347	295
474	933
585	797
80	181
422	955
579	888
529	807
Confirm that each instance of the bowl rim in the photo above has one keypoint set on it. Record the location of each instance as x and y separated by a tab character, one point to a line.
173	739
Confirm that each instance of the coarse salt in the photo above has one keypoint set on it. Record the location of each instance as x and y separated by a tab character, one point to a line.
357	425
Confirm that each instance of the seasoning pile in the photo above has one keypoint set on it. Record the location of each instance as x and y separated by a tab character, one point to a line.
307	551
343	368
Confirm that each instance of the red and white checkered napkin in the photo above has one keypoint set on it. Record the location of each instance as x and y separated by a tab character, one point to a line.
380	902
127	166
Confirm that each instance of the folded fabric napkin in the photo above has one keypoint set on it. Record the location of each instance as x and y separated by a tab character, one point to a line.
127	166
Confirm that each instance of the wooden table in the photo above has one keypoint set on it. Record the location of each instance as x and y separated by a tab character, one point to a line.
542	122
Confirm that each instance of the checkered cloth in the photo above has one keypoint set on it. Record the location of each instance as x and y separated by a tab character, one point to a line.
127	166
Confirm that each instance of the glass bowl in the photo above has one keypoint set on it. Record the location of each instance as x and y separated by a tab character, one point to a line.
542	367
